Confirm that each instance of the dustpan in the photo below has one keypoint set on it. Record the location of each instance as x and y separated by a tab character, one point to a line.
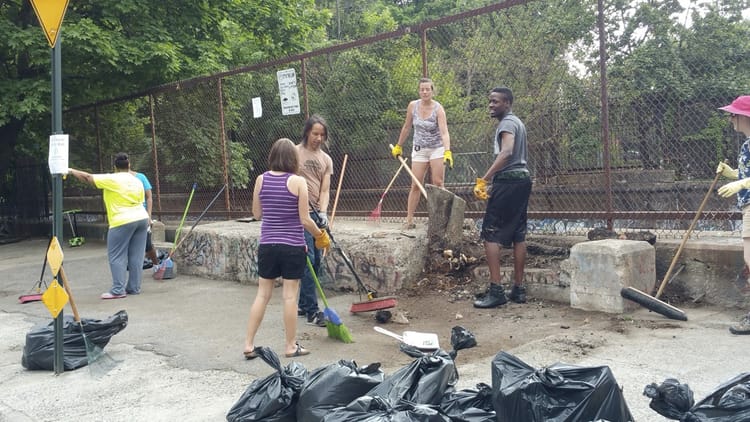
422	341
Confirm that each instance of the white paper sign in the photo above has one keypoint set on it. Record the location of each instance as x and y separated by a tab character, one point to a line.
288	92
58	154
257	108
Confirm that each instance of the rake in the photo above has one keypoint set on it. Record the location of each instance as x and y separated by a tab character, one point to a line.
99	362
375	214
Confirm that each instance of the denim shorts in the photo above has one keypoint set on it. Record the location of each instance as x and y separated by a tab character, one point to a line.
425	155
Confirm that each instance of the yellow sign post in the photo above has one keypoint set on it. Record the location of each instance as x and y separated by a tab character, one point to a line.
50	14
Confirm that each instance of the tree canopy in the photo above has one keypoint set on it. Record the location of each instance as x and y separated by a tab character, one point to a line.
113	48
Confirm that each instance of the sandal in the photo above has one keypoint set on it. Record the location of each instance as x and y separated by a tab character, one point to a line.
251	354
299	352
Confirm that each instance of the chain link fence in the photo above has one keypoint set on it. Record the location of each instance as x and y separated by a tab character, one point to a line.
627	152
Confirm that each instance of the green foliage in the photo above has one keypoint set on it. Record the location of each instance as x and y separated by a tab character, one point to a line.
113	48
671	76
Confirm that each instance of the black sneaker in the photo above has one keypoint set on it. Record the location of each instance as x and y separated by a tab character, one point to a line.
743	327
301	312
518	294
147	264
494	297
317	319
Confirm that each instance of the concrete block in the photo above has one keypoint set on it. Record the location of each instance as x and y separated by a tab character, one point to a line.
445	225
598	270
385	260
157	231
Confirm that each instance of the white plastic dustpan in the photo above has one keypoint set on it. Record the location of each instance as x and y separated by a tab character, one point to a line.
422	341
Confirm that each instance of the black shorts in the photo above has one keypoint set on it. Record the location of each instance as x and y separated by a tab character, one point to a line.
278	260
505	218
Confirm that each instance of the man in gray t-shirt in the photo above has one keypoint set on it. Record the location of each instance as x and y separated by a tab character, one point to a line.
504	224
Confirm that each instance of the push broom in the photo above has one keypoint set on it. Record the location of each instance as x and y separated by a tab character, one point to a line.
372	304
652	302
161	268
336	328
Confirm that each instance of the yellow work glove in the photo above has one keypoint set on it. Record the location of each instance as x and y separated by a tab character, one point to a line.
396	151
480	189
727	171
732	188
448	158
322	241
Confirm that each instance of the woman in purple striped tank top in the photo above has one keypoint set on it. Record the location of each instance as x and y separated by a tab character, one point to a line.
280	202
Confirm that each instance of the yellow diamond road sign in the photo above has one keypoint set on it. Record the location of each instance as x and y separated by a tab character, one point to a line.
55	256
50	14
55	298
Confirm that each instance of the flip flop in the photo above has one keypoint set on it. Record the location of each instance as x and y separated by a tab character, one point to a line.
299	352
252	354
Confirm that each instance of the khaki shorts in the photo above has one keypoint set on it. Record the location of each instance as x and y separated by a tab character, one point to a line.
425	155
746	221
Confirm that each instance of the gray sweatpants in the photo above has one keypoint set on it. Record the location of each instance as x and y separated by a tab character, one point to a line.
125	246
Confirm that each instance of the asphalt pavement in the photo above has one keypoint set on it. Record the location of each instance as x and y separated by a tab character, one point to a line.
180	356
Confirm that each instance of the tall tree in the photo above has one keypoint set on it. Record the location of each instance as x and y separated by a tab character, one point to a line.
117	47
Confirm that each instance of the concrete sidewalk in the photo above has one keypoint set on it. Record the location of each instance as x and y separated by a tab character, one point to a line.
180	355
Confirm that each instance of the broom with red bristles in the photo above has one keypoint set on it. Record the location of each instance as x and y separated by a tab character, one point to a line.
375	214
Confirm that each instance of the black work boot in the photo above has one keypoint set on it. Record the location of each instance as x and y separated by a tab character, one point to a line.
494	297
518	294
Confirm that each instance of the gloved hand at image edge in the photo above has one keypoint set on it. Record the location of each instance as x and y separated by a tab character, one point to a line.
732	188
480	189
323	241
323	219
396	151
448	158
726	171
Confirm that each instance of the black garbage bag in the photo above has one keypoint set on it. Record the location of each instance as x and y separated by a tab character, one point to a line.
335	385
273	398
729	402
39	350
379	409
461	338
424	381
469	405
670	399
558	393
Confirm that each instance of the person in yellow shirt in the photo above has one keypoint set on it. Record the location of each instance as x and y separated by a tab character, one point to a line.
128	225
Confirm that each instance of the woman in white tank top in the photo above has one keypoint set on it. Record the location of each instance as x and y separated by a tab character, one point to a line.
431	145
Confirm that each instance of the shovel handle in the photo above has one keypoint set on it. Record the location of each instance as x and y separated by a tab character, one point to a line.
687	236
413	177
382	330
338	190
70	295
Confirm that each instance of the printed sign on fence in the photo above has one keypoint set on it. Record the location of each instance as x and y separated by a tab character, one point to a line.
288	91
